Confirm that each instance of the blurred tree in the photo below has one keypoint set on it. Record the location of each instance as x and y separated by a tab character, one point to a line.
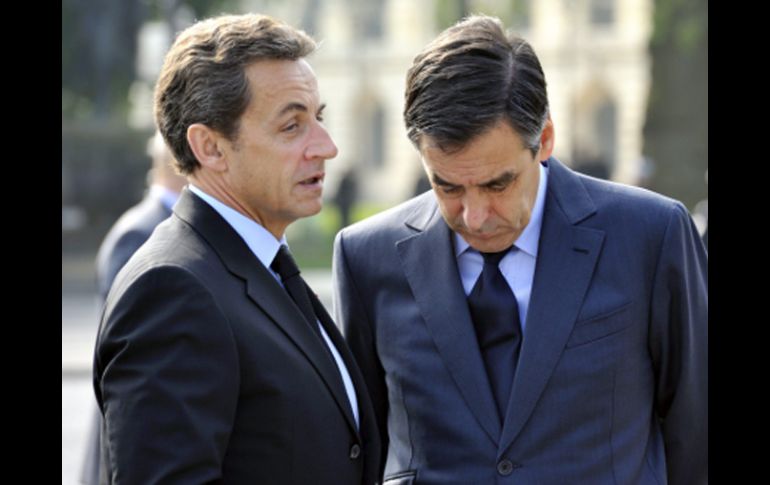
103	159
676	130
515	14
99	44
98	51
450	11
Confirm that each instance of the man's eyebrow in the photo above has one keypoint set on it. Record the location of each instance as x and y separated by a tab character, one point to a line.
295	106
439	181
503	179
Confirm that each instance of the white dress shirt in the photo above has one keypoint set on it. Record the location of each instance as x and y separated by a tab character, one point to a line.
265	246
518	267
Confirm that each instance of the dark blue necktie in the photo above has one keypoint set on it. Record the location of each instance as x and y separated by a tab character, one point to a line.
287	269
495	315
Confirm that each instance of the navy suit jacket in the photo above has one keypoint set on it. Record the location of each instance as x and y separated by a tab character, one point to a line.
611	386
207	372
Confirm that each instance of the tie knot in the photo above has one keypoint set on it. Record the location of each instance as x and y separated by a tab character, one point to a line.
284	264
495	258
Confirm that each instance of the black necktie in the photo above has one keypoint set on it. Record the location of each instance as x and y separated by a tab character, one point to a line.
495	315
287	269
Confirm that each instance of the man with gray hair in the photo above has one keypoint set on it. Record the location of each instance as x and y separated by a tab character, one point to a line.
522	323
215	362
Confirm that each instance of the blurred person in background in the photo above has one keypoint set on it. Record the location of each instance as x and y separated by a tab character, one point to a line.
215	362
130	231
134	227
521	322
346	195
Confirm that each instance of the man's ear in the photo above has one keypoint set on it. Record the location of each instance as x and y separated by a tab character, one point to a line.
546	140
205	145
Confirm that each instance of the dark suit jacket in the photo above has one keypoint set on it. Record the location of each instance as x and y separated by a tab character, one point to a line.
206	371
128	233
611	386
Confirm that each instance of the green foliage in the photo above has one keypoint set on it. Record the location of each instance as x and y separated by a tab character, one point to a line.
448	12
514	14
511	13
311	238
676	129
99	42
364	210
99	47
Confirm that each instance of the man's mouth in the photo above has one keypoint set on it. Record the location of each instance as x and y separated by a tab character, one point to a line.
315	179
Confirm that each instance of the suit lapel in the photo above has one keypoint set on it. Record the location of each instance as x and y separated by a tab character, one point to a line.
369	432
565	263
264	291
431	269
365	409
277	304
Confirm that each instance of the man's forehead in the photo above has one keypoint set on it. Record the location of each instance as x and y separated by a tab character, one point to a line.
274	70
282	86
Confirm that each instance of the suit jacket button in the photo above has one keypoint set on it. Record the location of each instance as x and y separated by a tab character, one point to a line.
505	467
355	452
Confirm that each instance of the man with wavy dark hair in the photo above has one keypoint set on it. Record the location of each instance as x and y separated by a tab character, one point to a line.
522	323
215	362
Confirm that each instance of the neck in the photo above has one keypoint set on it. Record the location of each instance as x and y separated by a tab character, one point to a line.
216	188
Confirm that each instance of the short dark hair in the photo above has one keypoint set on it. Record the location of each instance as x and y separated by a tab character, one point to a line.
470	77
203	78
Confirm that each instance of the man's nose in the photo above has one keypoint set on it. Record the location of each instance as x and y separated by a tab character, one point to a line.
475	212
321	145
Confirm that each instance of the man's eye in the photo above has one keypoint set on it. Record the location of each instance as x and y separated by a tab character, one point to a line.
291	127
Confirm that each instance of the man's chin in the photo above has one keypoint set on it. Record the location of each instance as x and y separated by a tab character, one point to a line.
311	208
489	244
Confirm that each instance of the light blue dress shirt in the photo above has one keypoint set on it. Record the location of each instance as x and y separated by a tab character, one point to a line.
265	246
518	267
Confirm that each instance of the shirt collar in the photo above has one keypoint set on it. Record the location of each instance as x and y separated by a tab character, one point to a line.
529	239
259	240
